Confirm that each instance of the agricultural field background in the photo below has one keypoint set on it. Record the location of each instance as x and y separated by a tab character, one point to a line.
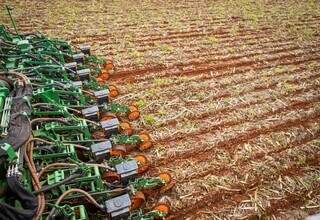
229	90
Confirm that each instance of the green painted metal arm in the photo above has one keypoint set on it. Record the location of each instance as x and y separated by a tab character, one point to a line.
147	183
9	9
125	139
74	130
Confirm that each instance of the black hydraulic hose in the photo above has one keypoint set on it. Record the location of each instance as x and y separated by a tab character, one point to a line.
46	149
7	80
62	120
65	181
19	128
16	74
28	202
62	197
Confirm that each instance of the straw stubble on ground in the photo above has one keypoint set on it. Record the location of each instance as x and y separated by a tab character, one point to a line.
229	89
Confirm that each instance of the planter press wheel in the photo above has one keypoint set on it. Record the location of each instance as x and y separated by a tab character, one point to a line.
162	207
119	150
133	113
104	75
108	65
166	177
102	78
113	91
110	176
137	200
98	135
143	163
107	116
146	142
126	127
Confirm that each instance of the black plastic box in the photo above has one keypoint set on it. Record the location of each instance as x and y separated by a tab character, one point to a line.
118	207
102	96
91	113
127	170
101	150
110	127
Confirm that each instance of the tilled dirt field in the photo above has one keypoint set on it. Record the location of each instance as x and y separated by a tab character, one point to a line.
228	89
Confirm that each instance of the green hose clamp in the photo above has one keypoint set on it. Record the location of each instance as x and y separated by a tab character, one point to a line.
12	155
